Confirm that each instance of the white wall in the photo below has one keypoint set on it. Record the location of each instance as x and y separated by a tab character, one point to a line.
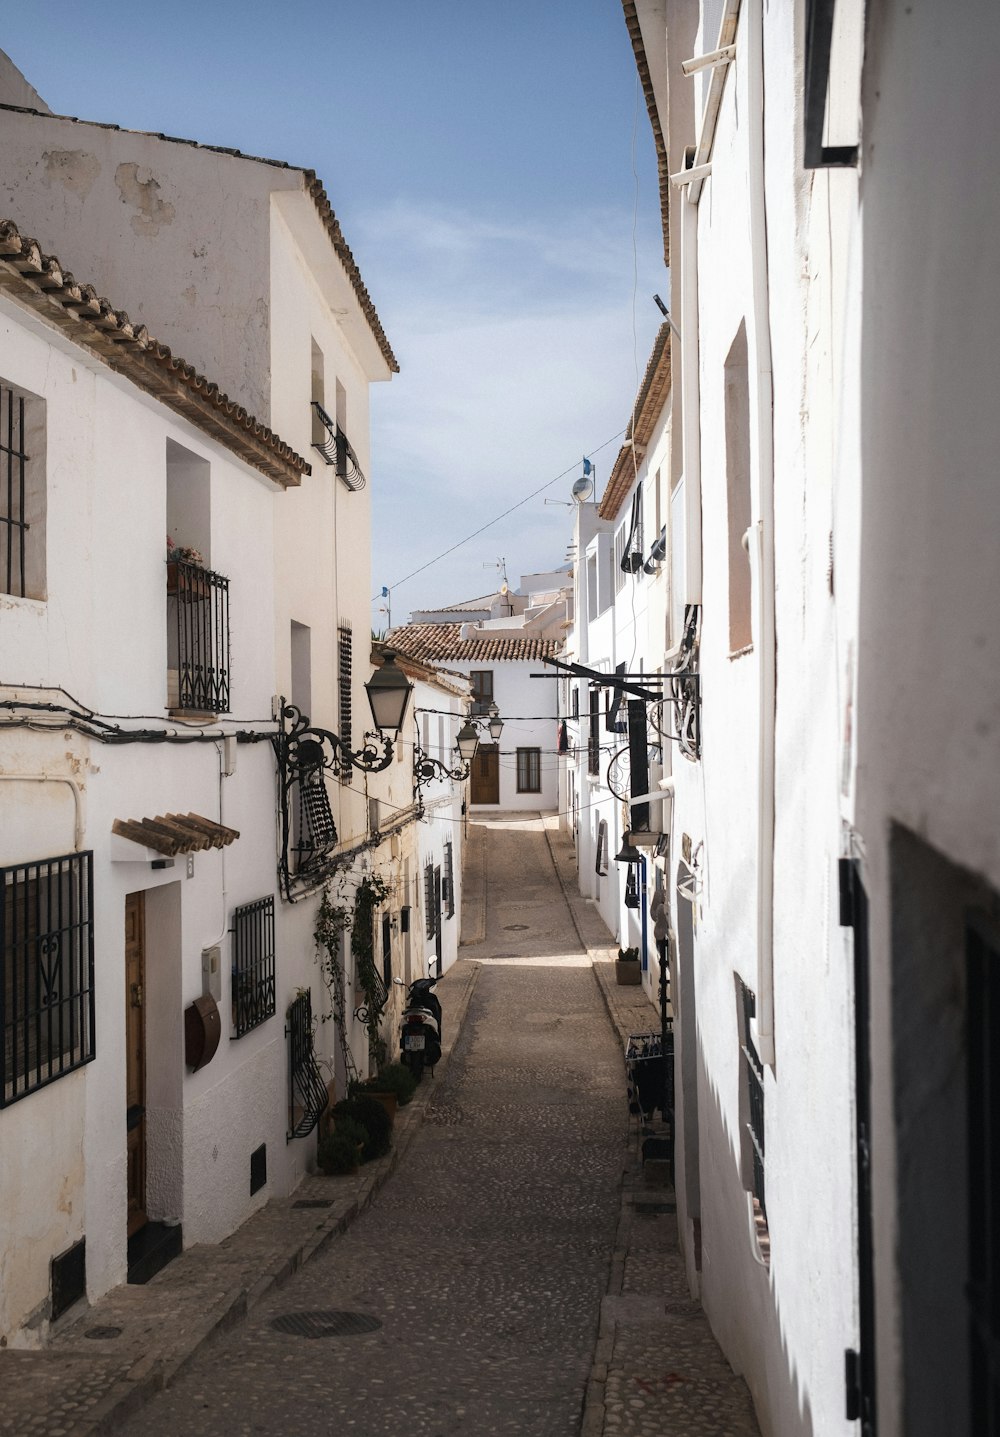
528	709
101	635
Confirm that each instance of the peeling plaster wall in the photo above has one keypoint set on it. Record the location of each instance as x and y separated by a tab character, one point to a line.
175	235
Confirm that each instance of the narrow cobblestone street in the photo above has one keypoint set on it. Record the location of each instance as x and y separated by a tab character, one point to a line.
514	1268
486	1255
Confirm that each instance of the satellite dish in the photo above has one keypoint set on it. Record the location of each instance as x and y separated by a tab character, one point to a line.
582	489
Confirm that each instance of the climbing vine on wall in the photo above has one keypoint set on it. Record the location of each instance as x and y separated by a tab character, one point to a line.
335	918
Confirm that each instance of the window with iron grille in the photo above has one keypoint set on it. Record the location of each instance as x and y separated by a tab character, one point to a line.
449	879
197	638
594	736
754	1079
432	913
253	964
22	493
482	689
307	1089
529	770
345	640
47	987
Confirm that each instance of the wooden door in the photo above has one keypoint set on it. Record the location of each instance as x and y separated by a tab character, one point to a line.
135	1040
486	774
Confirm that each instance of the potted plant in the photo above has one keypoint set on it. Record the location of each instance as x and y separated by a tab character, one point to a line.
182	580
396	1078
628	969
393	1086
338	1154
372	1117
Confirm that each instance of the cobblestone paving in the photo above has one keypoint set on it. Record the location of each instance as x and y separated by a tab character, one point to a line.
486	1255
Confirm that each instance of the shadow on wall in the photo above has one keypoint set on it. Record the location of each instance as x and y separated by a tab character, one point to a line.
737	1289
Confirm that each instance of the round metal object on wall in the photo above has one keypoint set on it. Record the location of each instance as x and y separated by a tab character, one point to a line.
325	1324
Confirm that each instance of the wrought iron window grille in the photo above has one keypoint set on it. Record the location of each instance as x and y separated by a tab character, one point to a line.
47	972
253	965
430	911
13	467
198	641
755	1094
449	879
308	1094
305	754
338	451
345	645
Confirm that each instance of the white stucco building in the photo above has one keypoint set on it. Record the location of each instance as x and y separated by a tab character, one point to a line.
240	266
498	642
832	869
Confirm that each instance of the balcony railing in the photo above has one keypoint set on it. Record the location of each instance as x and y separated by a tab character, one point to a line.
197	638
335	447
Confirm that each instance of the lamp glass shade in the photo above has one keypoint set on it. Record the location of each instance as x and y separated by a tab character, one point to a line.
495	726
467	741
388	692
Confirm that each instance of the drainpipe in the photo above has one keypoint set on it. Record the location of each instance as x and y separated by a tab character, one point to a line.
762	530
56	778
690	398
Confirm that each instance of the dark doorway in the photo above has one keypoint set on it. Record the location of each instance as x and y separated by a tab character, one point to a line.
486	774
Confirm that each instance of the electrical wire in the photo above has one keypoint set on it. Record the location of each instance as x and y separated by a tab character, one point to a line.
489	524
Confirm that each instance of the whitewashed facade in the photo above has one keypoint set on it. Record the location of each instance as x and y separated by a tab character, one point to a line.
241	266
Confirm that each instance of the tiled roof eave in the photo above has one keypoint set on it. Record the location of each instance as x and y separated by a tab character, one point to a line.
646	412
39	282
441	643
663	168
314	187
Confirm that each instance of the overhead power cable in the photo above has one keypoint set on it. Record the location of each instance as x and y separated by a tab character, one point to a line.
490	522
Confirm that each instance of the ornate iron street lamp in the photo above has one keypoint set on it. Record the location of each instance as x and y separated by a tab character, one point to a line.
425	768
305	755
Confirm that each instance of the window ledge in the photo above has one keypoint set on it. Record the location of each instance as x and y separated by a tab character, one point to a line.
740	653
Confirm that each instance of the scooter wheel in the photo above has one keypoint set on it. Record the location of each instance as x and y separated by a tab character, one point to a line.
417	1066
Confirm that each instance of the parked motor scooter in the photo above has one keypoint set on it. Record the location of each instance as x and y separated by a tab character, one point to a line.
420	1030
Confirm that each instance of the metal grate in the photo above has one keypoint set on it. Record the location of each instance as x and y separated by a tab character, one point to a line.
325	1324
309	1097
755	1092
199	599
258	1169
68	1277
345	663
594	735
430	916
317	829
47	978
13	523
253	964
449	878
336	449
312	1203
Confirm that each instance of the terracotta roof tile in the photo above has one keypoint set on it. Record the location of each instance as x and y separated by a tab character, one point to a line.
314	186
642	65
646	412
444	641
39	281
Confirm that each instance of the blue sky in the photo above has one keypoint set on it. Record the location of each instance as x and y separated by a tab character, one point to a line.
481	160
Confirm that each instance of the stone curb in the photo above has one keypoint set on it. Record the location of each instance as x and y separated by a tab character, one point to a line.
156	1369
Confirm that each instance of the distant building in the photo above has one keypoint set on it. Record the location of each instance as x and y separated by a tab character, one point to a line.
499	642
